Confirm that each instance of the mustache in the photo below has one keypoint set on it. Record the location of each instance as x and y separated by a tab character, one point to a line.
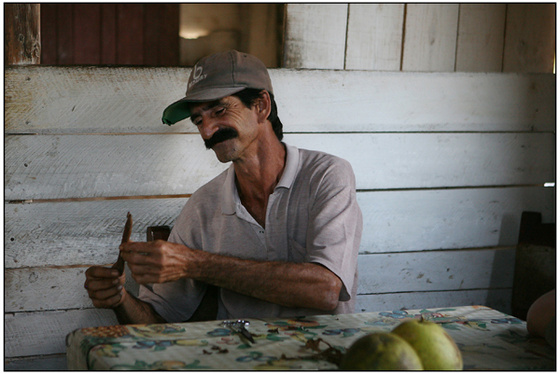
220	136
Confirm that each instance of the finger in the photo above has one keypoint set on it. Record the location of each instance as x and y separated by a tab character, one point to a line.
97	284
140	258
109	302
105	294
101	272
138	247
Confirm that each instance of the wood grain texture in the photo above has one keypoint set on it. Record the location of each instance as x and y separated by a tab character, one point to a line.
131	100
375	36
44	333
530	38
36	289
499	299
48	33
480	39
430	37
108	31
64	34
107	165
436	270
87	33
398	221
22	37
130	34
83	233
74	166
315	36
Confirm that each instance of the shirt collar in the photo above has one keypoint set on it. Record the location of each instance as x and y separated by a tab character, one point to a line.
231	197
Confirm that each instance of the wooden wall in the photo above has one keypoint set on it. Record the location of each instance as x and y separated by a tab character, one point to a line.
422	37
124	34
445	163
442	178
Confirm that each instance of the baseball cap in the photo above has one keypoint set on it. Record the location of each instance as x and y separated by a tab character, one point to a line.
216	76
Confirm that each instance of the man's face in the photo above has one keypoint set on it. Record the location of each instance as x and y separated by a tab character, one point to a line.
227	126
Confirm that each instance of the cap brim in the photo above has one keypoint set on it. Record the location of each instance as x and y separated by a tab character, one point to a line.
180	109
176	112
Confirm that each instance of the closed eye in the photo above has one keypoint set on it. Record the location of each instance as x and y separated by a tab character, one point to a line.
220	111
196	120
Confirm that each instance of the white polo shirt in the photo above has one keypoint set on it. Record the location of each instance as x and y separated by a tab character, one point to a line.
312	216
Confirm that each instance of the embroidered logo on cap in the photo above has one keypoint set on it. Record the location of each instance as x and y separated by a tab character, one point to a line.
197	75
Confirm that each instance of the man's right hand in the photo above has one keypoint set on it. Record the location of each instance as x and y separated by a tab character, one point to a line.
105	287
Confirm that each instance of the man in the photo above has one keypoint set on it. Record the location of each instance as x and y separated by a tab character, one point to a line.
276	234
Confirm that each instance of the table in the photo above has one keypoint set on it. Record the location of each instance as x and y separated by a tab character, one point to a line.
487	338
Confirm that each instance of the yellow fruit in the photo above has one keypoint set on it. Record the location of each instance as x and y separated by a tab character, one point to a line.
380	351
434	346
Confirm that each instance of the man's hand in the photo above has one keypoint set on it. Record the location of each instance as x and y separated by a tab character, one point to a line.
157	261
104	286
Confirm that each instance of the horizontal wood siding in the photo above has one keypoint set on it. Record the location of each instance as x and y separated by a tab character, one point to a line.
30	334
499	298
89	232
78	101
445	164
78	166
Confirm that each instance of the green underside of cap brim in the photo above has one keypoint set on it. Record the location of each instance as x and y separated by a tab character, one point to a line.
176	112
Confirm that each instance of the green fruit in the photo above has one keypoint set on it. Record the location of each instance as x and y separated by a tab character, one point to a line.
434	346
380	351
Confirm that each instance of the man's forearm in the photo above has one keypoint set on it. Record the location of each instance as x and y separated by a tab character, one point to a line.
304	285
133	310
300	285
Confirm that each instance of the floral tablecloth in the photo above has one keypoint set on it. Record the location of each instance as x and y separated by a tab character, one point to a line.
487	338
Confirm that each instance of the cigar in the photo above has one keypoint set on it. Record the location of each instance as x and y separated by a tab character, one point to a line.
119	265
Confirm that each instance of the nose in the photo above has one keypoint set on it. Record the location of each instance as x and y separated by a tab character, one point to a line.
207	127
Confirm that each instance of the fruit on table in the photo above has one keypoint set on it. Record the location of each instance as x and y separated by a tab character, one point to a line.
434	346
380	351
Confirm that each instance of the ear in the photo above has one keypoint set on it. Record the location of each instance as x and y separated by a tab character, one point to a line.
263	106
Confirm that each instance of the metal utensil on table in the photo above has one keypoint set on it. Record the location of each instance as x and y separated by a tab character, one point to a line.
238	327
119	265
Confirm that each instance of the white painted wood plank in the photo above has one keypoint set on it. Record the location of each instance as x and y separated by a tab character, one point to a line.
74	166
43	288
430	37
382	101
43	333
88	99
375	36
530	43
480	42
88	232
315	36
499	299
79	232
106	165
397	221
436	270
439	160
131	100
